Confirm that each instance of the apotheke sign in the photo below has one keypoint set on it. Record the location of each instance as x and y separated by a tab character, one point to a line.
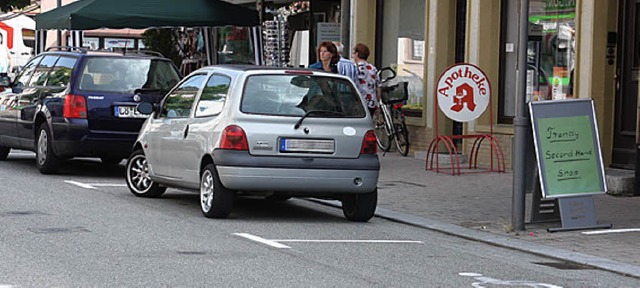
464	92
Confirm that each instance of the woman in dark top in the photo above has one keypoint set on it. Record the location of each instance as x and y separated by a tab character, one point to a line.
328	58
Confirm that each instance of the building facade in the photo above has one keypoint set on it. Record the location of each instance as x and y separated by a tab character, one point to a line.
576	49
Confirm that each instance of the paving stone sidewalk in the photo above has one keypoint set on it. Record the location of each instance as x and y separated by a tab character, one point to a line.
482	201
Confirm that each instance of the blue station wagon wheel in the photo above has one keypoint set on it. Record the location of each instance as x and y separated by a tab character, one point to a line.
216	201
138	179
46	161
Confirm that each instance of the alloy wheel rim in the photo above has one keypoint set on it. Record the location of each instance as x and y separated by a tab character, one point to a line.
206	191
139	174
42	147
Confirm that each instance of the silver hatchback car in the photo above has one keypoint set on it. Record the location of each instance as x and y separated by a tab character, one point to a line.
249	130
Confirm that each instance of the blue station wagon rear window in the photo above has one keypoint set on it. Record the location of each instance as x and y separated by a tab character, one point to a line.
295	95
125	75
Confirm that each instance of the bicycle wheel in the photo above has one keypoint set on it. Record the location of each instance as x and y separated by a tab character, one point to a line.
402	138
382	136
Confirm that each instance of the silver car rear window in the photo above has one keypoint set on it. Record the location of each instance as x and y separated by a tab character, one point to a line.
295	95
124	75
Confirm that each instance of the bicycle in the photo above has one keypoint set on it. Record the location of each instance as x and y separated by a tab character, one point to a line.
389	122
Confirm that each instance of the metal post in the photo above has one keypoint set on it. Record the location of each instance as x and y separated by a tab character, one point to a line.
520	123
58	4
345	27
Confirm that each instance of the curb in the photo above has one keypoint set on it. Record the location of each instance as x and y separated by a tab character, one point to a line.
501	241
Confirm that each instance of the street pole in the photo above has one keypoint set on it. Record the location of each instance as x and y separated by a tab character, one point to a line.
520	123
58	4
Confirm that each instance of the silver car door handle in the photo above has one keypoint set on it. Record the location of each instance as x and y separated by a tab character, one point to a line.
186	131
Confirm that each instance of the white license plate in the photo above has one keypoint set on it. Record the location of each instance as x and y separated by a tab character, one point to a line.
128	112
307	145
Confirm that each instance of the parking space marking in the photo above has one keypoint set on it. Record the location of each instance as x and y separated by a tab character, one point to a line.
611	231
350	241
80	184
262	240
277	243
93	185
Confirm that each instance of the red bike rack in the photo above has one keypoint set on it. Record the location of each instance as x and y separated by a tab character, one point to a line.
497	163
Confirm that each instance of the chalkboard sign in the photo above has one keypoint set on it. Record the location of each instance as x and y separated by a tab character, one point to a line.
567	148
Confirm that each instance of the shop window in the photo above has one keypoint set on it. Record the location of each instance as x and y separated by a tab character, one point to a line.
403	47
234	45
550	53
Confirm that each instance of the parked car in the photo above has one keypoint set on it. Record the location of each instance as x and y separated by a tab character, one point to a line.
248	130
78	103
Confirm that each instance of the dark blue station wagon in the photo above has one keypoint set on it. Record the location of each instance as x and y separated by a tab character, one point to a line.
78	103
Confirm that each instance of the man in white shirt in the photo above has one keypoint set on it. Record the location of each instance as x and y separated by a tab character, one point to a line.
345	66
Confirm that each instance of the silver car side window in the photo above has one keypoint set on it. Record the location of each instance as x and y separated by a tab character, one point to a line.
179	102
213	96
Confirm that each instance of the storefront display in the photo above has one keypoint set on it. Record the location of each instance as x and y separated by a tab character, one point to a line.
403	46
551	51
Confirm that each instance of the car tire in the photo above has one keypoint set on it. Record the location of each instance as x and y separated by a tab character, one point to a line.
360	207
4	153
216	201
46	161
138	180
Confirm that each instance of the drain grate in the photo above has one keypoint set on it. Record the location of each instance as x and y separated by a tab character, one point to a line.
565	265
22	213
191	253
58	230
383	184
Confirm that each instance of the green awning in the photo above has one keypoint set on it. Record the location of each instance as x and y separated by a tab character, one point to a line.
140	14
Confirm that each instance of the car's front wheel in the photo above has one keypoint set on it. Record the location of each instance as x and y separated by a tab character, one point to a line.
360	207
46	161
216	200
138	180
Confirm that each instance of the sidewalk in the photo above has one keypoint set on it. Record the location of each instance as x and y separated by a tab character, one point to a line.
478	205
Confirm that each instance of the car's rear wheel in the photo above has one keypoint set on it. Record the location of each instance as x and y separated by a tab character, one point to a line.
360	207
46	161
4	153
216	200
138	180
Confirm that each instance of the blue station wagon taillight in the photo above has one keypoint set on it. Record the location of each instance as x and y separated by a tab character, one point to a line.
234	138
75	106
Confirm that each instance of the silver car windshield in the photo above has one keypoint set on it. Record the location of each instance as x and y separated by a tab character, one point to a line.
125	75
296	95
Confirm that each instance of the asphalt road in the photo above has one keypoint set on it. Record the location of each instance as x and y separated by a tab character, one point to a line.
84	228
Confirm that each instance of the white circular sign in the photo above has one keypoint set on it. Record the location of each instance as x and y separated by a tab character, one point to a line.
349	131
463	92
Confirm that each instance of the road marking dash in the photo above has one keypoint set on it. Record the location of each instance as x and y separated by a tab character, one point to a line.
351	241
611	231
108	184
80	184
262	240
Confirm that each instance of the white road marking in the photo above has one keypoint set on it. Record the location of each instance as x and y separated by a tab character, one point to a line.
93	185
108	184
349	241
611	231
490	282
83	185
262	240
277	242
